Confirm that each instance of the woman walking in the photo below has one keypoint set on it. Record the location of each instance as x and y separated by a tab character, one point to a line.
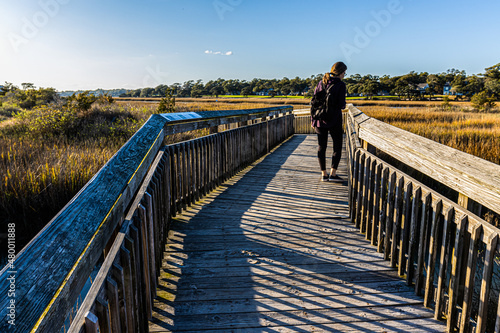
332	124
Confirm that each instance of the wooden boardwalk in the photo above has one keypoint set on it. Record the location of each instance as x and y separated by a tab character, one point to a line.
273	250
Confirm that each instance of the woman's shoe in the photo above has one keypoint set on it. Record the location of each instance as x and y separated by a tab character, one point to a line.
324	178
335	179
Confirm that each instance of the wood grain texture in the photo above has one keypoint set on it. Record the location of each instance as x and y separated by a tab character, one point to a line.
273	249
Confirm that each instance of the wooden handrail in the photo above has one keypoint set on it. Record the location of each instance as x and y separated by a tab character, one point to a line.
52	269
419	230
471	176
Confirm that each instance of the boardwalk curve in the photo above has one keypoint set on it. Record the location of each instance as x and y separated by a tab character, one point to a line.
273	249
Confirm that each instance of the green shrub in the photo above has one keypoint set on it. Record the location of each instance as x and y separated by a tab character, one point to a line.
9	110
47	121
167	103
82	101
483	101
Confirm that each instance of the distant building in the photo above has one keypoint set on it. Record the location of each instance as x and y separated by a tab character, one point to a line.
447	89
421	87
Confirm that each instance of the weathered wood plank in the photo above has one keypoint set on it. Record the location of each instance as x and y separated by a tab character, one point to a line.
406	228
376	205
469	278
366	186
458	252
491	245
396	229
359	198
102	312
388	326
379	285
389	222
443	262
288	303
114	304
371	200
433	248
291	318
422	242
384	185
91	323
355	183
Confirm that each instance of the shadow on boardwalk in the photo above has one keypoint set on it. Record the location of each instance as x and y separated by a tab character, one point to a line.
273	250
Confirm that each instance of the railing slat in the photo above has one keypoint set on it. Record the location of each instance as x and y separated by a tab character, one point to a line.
443	262
355	181
470	277
91	323
359	200
371	198
366	186
433	248
126	264
144	236
489	257
149	225
102	312
117	274
384	185
389	215
455	273
422	242
141	284
396	229
405	229
414	232
114	304
376	204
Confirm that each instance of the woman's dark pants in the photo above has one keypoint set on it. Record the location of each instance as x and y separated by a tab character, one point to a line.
337	135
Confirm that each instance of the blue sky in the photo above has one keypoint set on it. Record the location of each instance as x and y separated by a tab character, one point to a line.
89	44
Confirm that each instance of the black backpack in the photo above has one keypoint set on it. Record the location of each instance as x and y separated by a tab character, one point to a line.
319	104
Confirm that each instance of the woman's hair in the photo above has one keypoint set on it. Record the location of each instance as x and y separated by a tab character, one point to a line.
337	69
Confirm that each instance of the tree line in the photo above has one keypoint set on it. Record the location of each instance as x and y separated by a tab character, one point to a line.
424	85
413	86
191	88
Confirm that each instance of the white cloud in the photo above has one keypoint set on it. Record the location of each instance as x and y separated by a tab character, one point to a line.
219	52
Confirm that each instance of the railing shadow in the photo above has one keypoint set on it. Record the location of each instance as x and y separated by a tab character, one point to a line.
272	249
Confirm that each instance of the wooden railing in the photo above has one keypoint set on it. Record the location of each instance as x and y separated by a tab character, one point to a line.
302	122
440	246
121	219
